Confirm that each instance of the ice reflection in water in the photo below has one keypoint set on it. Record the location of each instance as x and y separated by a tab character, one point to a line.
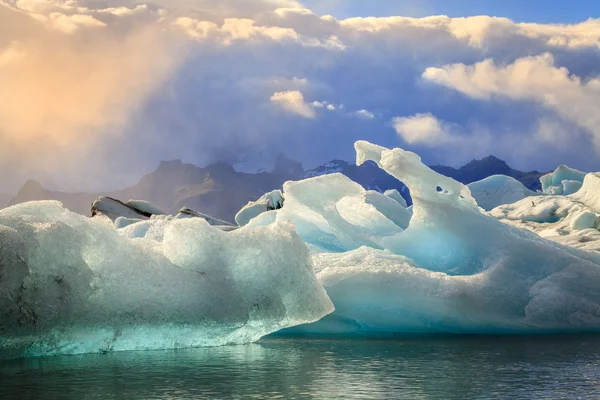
292	368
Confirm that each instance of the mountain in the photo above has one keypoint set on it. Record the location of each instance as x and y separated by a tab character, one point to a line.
4	199
220	191
217	190
368	175
477	170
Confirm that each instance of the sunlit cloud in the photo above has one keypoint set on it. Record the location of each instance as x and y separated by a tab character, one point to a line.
100	91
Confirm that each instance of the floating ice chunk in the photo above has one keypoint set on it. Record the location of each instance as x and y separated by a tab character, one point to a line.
552	182
456	269
71	284
496	190
269	201
395	194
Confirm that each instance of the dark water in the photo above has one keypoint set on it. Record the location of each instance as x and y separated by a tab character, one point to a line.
289	368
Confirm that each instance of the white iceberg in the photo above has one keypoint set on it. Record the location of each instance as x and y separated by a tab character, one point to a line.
497	190
70	284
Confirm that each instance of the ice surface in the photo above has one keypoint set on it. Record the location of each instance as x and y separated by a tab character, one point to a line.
395	194
552	183
188	213
145	207
389	207
71	284
456	269
571	220
496	190
269	201
113	208
570	187
331	213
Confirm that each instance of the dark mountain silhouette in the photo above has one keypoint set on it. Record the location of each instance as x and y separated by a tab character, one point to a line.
220	191
477	170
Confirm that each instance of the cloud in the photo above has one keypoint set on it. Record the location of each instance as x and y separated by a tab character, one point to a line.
64	93
244	29
94	93
482	31
69	23
293	102
530	78
423	129
327	105
364	114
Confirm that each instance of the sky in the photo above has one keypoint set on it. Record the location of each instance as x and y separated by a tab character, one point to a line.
95	93
541	11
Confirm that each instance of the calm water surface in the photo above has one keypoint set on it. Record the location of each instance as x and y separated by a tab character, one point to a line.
292	368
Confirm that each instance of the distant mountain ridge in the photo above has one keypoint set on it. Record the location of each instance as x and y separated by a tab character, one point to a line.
220	191
477	170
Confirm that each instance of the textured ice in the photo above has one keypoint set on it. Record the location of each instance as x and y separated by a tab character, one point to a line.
561	181
496	190
389	207
219	223
113	208
331	213
455	269
70	284
395	194
571	220
269	201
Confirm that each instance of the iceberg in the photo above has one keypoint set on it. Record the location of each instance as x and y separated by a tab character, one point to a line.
570	220
497	190
71	284
454	269
563	180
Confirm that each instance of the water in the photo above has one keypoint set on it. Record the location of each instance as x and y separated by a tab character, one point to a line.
292	368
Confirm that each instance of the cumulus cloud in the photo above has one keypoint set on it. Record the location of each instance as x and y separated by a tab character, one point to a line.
364	114
244	29
530	78
423	129
293	102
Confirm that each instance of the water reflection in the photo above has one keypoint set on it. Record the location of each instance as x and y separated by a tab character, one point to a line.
291	368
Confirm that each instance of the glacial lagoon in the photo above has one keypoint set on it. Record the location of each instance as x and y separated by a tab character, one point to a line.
467	367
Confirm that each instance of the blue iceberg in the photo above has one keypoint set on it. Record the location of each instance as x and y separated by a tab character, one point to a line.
71	284
454	269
